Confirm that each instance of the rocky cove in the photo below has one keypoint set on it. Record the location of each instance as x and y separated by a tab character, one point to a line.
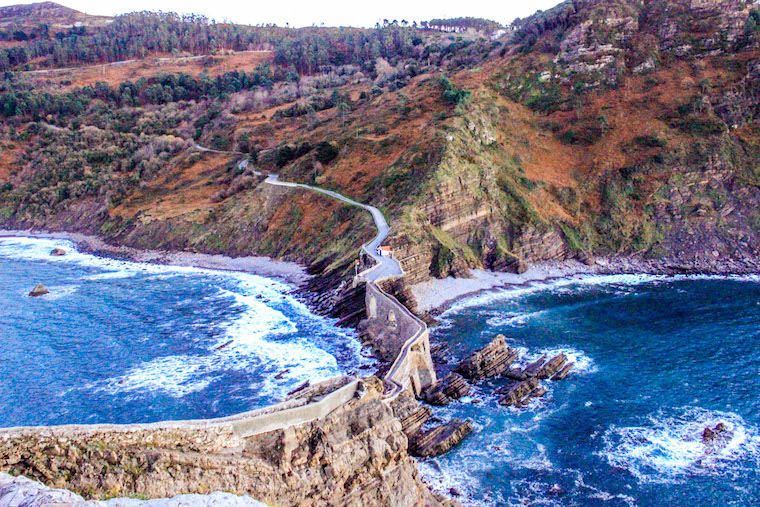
425	434
100	461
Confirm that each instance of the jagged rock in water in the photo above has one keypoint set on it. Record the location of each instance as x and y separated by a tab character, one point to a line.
438	352
39	290
515	374
440	439
710	434
551	367
514	394
561	374
411	414
452	387
493	359
533	368
58	252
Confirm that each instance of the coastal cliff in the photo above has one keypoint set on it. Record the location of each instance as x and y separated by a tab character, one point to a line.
358	455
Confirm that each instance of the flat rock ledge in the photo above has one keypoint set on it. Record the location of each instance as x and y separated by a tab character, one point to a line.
432	442
451	387
440	439
490	361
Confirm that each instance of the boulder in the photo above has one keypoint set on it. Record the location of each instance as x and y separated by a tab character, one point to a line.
440	439
39	290
493	359
452	387
58	252
516	393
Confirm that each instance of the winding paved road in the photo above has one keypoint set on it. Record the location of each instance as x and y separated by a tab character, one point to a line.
385	266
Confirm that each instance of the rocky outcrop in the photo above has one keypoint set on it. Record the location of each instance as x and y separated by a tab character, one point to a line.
493	359
709	435
551	367
411	414
22	491
563	373
439	440
541	369
451	387
39	290
58	252
357	455
517	393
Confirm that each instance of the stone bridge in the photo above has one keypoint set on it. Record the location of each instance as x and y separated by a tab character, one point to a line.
412	370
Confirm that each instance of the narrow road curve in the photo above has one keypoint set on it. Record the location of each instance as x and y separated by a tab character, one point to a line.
385	266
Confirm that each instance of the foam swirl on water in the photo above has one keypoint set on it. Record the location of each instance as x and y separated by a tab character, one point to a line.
669	447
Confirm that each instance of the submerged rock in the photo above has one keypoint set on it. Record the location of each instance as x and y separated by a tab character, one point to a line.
710	434
58	252
440	439
493	359
452	387
39	290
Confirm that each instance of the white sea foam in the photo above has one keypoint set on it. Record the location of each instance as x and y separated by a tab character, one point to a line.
576	282
248	341
513	319
176	375
667	448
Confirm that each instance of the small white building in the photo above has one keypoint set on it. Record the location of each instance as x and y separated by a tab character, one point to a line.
385	251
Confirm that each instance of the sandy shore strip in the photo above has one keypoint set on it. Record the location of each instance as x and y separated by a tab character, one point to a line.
289	272
437	295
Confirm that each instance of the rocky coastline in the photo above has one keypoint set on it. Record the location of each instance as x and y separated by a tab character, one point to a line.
426	436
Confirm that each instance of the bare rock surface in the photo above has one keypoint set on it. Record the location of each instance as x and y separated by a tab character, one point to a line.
517	393
39	290
551	367
490	361
357	455
411	414
440	439
451	387
23	492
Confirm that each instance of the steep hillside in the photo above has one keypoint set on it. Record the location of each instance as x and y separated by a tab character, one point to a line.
598	128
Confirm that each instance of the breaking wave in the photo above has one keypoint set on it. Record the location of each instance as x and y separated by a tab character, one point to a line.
669	447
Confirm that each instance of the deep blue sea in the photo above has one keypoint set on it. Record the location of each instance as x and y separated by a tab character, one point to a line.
124	342
659	359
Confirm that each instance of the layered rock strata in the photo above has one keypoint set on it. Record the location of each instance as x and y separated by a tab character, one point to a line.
490	361
440	439
357	455
451	387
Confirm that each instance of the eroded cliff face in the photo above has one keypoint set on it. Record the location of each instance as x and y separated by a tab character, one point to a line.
358	455
611	128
